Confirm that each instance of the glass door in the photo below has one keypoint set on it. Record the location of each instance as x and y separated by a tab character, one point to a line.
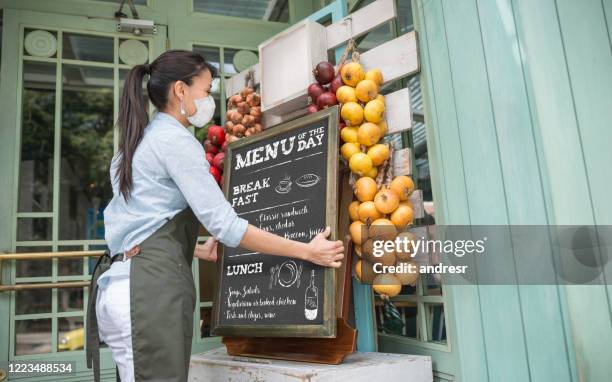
68	74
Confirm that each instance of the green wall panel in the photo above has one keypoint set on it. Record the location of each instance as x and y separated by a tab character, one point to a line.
518	95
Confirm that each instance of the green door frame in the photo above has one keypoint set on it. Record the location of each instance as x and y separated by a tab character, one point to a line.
15	21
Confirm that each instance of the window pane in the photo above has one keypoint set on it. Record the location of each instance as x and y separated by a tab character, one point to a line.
30	229
87	47
431	285
374	38
211	55
87	149
70	266
40	43
250	9
32	336
33	268
205	322
70	334
133	52
436	324
37	132
33	301
404	16
408	316
228	60
69	299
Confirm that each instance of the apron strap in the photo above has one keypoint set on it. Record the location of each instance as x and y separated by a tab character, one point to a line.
92	343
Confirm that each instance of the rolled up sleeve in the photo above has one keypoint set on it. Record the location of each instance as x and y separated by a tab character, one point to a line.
185	162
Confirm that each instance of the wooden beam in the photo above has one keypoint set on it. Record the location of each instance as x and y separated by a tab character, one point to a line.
360	22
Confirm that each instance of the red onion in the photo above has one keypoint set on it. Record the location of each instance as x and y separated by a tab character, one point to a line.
312	108
326	100
314	91
335	84
324	72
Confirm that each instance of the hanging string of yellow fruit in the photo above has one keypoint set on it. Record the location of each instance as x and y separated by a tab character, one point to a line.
382	207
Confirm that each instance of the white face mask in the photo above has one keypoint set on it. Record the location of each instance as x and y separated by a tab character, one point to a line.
205	110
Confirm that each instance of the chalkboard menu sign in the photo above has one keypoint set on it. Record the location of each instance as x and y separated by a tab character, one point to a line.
284	181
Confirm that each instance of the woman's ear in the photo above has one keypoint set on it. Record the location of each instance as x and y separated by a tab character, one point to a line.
179	90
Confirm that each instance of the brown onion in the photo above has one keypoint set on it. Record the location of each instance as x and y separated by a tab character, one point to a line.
236	117
236	99
258	127
256	112
324	72
245	92
326	100
243	108
256	99
239	130
248	120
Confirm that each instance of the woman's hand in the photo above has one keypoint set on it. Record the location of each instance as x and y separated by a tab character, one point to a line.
207	251
325	252
319	251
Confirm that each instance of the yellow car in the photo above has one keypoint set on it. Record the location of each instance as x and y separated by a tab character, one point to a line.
72	340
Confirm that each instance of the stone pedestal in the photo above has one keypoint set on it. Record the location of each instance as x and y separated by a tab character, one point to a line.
217	366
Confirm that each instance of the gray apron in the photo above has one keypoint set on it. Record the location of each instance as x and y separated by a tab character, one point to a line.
162	299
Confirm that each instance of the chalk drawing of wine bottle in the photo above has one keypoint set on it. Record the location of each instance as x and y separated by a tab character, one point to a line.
311	305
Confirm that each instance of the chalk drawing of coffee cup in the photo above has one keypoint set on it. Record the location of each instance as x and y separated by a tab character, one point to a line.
284	186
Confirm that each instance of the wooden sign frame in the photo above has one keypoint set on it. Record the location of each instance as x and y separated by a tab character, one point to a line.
328	328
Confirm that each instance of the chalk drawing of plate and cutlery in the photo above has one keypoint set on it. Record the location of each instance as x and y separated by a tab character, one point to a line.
306	180
286	274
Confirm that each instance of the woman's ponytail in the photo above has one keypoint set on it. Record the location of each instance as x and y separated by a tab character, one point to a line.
132	120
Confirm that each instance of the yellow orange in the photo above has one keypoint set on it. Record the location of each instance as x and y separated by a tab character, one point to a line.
378	153
352	113
375	75
374	111
346	94
352	73
360	163
366	90
368	134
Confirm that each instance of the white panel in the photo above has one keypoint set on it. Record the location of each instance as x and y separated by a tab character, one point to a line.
398	111
236	82
286	62
402	164
396	58
417	204
360	22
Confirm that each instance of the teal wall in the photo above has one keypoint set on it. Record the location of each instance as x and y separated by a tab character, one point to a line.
519	99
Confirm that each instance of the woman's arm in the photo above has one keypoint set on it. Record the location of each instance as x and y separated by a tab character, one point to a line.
319	251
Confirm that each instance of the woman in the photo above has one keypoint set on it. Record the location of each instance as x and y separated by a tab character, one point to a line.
142	295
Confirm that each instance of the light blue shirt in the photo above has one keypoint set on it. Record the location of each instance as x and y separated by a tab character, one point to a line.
170	172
